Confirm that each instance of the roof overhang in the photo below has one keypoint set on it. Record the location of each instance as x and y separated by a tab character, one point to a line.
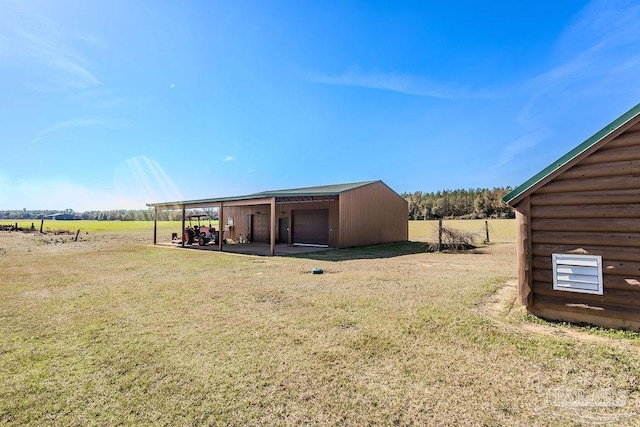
606	134
295	195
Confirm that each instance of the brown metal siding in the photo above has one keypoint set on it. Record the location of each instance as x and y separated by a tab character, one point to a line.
592	208
366	215
242	219
242	214
371	215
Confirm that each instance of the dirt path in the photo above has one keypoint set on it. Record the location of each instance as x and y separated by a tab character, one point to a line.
502	308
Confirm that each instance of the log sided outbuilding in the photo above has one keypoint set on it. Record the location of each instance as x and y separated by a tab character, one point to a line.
578	231
336	216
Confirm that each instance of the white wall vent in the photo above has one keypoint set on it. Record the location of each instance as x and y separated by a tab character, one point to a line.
577	273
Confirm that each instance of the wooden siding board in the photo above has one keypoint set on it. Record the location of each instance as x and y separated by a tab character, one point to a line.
593	308
579	238
587	211
626	299
591	208
607	252
552	311
628	139
601	197
592	184
612	155
620	225
598	170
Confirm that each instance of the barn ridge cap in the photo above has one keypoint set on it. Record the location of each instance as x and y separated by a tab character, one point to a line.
539	179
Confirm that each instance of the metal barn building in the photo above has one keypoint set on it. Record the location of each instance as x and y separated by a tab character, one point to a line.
578	224
337	216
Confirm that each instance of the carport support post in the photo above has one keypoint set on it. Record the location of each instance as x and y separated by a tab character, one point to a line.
183	215
272	237
220	226
155	225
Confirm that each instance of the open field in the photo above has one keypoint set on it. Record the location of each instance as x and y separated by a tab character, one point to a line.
500	230
101	226
112	330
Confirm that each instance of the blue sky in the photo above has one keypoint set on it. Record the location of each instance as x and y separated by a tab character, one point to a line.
113	104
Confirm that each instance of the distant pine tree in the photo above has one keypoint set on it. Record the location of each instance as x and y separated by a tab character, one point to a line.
469	204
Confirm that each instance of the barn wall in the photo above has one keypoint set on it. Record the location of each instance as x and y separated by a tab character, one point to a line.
241	214
371	215
592	208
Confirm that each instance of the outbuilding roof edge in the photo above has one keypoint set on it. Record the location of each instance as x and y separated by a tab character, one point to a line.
322	190
532	183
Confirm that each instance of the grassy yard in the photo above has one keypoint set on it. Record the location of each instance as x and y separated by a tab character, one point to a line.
101	226
112	330
500	230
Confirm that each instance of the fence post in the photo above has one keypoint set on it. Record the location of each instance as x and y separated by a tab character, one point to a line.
439	234
41	224
486	227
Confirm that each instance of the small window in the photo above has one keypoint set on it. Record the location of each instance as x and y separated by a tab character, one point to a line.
577	273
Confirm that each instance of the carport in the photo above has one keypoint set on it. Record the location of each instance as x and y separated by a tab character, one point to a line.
221	204
328	216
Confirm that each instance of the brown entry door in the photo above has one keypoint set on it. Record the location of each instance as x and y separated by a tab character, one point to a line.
283	230
259	228
310	226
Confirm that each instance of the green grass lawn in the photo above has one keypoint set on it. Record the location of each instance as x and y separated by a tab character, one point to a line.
113	330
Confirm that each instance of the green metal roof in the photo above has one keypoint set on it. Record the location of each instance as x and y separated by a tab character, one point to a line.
322	190
528	186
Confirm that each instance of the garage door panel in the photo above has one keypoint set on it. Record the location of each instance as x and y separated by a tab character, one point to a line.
311	226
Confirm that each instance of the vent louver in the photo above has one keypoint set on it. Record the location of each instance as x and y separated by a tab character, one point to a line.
577	273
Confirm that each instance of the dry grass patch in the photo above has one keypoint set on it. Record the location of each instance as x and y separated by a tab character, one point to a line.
500	230
114	330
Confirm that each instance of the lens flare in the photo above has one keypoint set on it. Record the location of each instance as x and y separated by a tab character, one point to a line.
144	179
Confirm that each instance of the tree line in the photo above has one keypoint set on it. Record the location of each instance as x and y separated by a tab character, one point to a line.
111	215
464	204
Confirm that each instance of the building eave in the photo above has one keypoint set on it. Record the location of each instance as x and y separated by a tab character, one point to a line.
600	138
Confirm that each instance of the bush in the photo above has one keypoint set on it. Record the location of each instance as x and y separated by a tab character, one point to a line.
454	240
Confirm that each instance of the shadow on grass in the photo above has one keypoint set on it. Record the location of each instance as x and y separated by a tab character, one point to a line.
387	250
